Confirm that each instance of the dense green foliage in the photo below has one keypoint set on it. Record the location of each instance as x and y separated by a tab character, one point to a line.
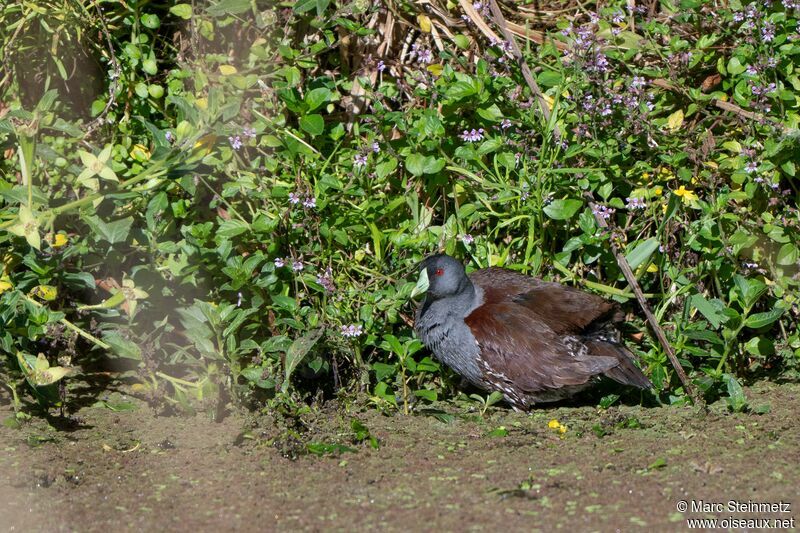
230	201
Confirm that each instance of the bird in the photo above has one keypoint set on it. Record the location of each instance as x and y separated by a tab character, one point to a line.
534	341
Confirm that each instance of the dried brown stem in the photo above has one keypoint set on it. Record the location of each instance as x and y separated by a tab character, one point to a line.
500	20
651	319
93	125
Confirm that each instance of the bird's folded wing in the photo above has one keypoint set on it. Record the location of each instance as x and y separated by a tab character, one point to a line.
516	345
564	309
567	310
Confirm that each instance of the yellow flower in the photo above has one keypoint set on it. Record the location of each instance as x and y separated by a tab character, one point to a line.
646	176
59	240
686	195
657	190
553	424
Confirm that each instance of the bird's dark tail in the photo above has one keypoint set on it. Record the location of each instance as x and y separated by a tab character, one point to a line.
626	372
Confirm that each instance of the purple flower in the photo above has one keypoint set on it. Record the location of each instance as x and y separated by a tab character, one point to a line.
505	124
467	239
637	82
751	167
297	266
360	160
376	147
353	330
381	66
603	211
425	56
250	133
326	280
170	136
618	16
599	64
236	142
768	32
772	62
310	202
279	262
294	198
751	70
472	136
635	203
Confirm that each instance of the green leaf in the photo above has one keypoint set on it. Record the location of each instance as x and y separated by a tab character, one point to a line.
429	395
736	399
232	228
415	163
304	6
461	40
711	312
642	252
149	66
141	90
115	300
183	11
383	370
297	352
562	209
788	254
549	78
735	66
433	164
460	90
321	448
491	113
317	97
150	20
313	124
123	347
493	398
759	320
748	290
500	431
229	7
113	232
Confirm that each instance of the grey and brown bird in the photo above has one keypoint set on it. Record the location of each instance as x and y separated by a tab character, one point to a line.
533	341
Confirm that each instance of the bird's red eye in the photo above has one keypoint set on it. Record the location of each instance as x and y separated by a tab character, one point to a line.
439	271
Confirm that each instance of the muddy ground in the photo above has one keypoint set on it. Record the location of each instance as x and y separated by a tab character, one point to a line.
625	468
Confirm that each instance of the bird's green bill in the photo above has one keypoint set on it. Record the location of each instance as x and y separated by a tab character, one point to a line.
422	284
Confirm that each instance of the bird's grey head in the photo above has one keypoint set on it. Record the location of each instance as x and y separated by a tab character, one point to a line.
441	276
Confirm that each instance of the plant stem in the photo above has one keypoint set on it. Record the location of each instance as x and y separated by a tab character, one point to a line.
85	334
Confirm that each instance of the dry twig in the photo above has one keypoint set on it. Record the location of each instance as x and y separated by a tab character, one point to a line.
651	319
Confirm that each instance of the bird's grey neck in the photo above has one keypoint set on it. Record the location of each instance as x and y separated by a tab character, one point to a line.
457	306
440	325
